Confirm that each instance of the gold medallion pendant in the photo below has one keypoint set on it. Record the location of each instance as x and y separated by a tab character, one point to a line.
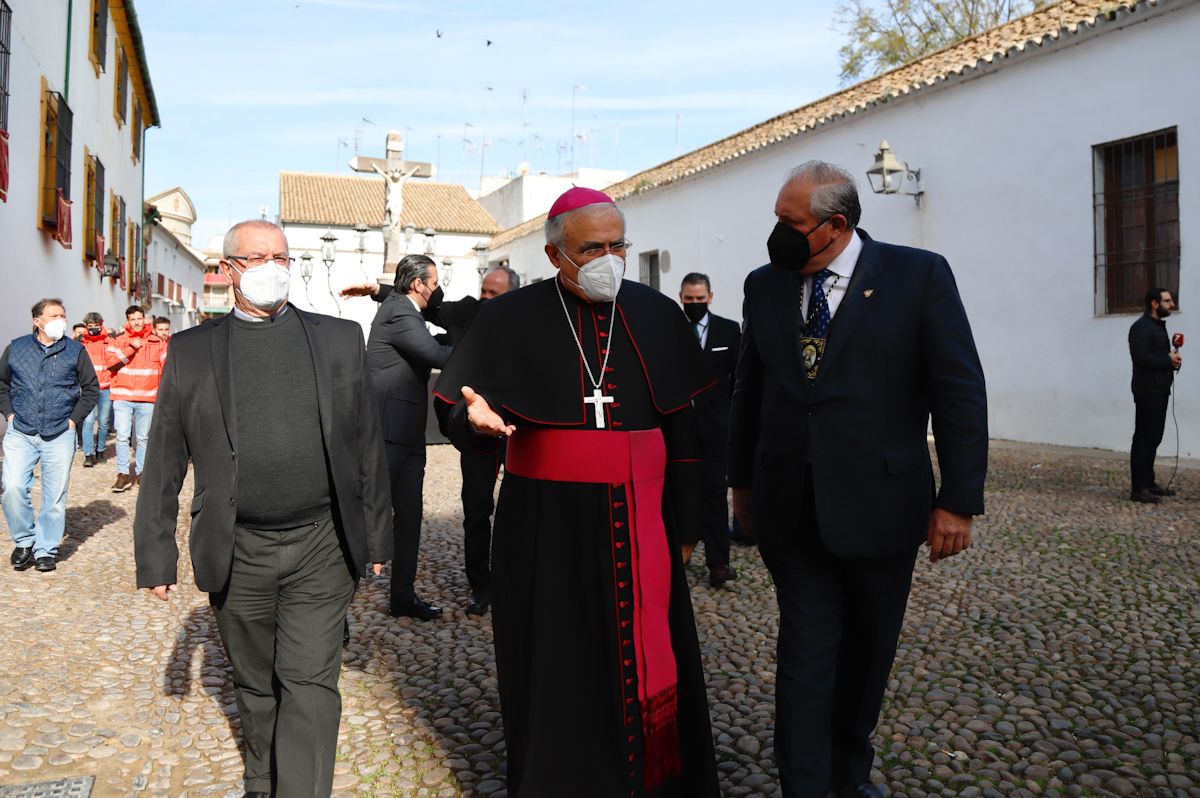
811	350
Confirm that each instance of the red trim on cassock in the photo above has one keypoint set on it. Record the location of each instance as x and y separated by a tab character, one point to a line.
636	460
646	371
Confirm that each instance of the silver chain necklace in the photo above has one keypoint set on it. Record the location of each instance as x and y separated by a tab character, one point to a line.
597	399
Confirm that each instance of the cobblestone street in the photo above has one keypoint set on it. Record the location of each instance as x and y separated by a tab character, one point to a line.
1060	656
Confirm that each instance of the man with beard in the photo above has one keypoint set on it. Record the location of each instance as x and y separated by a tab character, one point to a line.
1154	367
591	379
849	347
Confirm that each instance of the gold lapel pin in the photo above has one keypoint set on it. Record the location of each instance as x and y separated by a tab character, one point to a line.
868	292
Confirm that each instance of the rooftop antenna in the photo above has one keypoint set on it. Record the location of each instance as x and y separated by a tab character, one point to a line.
358	134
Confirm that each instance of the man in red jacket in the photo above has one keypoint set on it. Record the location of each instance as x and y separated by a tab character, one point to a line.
95	427
135	358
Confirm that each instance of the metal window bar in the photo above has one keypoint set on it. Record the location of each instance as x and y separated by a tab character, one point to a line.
100	31
97	209
120	242
5	53
1137	215
122	83
56	155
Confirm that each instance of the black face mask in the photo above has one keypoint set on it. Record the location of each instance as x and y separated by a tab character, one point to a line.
93	331
695	310
789	248
434	302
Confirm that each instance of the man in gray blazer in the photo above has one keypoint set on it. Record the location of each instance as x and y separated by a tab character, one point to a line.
401	353
273	405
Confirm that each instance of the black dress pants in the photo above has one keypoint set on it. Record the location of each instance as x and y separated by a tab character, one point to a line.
1150	418
839	622
714	502
280	619
479	471
406	468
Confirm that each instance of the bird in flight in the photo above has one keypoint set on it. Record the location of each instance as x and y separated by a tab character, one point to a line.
439	34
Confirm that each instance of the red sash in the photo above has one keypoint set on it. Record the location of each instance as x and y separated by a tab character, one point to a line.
636	460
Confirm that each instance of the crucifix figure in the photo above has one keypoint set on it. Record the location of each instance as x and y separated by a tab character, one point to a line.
395	172
598	400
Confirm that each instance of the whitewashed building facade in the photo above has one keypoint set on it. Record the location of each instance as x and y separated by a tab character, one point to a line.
75	103
1059	180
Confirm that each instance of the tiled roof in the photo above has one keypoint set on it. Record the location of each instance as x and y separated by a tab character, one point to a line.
346	200
1009	40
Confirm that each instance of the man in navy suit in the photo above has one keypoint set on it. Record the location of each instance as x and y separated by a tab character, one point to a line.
849	346
720	339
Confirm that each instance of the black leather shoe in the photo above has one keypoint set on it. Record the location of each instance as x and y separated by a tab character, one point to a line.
861	791
416	608
89	460
45	564
1159	490
22	557
720	574
257	794
480	602
1144	496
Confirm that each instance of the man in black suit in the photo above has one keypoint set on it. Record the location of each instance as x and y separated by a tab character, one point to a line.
1154	367
400	353
273	406
479	468
849	346
720	339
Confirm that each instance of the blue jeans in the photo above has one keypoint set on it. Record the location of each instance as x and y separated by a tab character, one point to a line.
21	455
124	413
96	440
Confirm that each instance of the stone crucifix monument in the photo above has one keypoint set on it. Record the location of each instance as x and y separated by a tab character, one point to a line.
395	172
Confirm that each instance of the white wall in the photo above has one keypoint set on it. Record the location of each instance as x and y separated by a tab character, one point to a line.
1006	160
31	263
170	257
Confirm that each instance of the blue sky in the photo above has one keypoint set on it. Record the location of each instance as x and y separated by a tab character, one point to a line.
248	89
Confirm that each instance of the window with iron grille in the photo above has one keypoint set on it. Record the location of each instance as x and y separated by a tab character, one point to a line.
119	230
56	156
648	269
93	211
5	52
99	47
121	86
1137	220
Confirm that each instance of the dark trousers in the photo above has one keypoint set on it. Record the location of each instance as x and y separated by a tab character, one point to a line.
478	487
839	622
406	468
1150	418
714	512
280	618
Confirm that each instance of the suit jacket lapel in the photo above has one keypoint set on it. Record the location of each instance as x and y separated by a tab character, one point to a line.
785	301
852	306
222	360
309	323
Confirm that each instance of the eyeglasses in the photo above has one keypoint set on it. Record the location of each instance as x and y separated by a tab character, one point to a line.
254	261
596	250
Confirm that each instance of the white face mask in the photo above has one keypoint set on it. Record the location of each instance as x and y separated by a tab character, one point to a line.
55	328
265	287
599	279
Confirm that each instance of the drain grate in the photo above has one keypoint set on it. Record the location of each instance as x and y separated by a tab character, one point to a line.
80	787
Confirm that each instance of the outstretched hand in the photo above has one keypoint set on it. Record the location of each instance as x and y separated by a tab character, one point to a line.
949	534
483	418
361	289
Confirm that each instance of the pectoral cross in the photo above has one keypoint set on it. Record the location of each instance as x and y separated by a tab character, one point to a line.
598	399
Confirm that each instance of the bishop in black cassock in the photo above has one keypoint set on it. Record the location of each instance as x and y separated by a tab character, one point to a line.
601	685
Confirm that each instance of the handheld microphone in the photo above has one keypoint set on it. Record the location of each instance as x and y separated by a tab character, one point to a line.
1177	341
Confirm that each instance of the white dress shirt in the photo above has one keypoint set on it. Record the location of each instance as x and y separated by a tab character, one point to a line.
703	330
836	284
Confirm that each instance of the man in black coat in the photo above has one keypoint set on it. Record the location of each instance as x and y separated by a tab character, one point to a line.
849	346
1154	367
401	353
720	338
273	406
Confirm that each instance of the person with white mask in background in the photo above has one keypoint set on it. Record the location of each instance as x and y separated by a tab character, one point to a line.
47	388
